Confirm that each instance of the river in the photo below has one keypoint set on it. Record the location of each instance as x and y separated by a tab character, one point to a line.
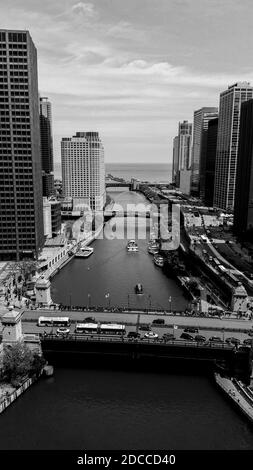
114	271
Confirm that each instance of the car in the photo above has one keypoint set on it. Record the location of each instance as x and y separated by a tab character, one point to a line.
191	330
158	321
62	331
200	338
250	333
168	336
187	336
90	320
215	339
233	340
151	335
145	327
133	334
247	342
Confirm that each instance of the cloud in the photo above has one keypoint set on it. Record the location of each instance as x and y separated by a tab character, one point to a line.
85	9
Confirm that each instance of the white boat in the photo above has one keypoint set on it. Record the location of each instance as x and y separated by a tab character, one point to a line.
132	246
84	252
159	261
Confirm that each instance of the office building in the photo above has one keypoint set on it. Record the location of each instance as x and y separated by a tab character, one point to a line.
21	206
46	140
83	171
208	165
182	150
243	209
227	143
200	125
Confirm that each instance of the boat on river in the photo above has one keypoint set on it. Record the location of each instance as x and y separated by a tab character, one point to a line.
84	252
139	289
159	261
132	246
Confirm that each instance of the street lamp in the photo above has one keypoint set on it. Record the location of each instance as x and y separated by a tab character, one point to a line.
128	301
170	303
107	296
89	297
70	299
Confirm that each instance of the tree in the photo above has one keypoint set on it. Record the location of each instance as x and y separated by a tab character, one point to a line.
17	362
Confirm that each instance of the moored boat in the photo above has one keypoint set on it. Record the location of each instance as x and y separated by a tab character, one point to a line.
159	261
84	252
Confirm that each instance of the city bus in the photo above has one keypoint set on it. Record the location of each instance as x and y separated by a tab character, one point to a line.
110	329
53	321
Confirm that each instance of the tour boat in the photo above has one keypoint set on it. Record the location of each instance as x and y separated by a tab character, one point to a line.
132	246
84	252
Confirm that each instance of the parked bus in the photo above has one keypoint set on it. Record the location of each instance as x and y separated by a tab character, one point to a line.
110	329
53	321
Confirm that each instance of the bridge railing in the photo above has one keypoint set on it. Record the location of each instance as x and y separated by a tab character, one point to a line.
143	340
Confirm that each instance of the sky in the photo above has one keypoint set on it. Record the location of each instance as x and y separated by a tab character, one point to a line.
132	69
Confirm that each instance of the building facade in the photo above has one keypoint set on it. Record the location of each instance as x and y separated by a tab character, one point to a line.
227	143
83	170
46	139
243	209
200	125
51	216
21	207
182	150
208	165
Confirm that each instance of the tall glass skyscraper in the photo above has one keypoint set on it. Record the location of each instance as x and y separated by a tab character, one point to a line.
46	146
243	211
21	210
182	150
227	143
83	170
200	125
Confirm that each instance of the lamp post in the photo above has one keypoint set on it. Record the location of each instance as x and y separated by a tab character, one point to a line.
70	297
170	303
89	297
128	302
107	296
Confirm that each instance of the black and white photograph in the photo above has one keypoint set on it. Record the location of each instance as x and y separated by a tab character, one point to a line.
126	232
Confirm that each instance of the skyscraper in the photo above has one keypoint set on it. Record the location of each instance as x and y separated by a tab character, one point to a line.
243	210
46	140
208	165
175	165
83	171
200	124
227	143
21	210
182	150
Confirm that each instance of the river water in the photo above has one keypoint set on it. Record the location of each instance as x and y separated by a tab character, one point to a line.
96	408
114	271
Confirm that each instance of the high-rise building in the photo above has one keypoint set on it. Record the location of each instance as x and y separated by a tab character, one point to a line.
208	165
46	140
243	210
21	208
200	124
182	150
83	170
175	165
227	143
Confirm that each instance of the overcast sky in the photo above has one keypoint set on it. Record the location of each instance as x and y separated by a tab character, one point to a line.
131	69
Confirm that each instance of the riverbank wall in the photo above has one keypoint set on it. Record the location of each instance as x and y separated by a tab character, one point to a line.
13	396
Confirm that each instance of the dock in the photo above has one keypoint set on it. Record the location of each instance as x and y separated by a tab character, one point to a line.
240	394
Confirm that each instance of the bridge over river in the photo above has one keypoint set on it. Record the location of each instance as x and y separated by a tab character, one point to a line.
80	348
